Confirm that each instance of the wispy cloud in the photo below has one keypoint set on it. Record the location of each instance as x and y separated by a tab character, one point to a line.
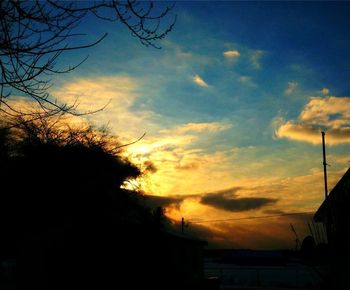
199	81
198	127
183	54
331	114
245	79
231	54
187	166
248	81
291	88
118	93
255	58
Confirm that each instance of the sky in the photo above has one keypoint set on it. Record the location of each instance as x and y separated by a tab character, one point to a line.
232	106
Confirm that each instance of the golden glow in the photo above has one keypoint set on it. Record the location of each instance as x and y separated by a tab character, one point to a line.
185	165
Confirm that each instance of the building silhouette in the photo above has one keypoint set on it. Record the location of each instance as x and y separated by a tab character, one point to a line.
334	213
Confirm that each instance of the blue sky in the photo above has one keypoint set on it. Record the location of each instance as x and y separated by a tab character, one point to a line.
236	98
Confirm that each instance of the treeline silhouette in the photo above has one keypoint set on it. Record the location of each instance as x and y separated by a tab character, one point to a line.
65	218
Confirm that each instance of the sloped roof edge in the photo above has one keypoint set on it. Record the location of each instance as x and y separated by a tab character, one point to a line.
321	212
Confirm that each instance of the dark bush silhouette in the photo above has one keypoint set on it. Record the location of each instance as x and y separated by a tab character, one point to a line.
65	218
308	249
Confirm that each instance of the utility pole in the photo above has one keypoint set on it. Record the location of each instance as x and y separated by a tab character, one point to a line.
182	225
324	164
329	213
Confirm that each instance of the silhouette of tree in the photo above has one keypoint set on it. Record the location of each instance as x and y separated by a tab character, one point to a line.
34	34
64	214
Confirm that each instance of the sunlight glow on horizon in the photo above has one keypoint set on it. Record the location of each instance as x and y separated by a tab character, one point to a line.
231	108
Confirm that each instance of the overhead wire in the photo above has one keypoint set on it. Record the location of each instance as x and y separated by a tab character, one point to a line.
249	218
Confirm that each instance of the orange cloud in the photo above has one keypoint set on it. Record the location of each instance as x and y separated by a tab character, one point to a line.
231	54
200	82
310	134
118	93
271	233
331	114
235	228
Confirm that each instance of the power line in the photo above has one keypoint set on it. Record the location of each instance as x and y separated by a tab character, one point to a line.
251	217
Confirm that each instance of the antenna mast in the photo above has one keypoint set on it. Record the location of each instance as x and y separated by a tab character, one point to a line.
324	164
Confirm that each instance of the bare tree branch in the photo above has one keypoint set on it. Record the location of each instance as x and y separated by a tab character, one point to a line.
35	34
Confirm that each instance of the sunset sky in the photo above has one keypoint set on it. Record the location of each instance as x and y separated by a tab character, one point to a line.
232	106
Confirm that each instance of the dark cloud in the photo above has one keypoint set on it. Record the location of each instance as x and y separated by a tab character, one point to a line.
153	201
150	167
228	200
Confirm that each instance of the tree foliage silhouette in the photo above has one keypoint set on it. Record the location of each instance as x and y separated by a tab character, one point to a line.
64	215
34	34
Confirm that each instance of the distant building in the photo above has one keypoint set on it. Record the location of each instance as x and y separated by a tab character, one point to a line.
334	213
